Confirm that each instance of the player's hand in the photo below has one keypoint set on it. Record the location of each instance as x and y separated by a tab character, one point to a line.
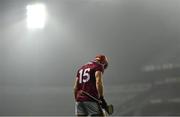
103	103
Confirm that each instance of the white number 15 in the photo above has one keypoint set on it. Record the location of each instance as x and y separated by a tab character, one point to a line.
84	75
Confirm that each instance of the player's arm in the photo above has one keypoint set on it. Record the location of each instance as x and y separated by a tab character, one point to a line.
75	88
99	83
99	86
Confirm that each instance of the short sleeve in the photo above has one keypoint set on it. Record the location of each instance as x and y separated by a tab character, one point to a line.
77	74
100	68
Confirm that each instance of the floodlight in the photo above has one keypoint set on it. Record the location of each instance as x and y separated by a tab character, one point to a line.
36	16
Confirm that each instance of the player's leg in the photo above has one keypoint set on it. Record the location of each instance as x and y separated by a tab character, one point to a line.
80	109
93	108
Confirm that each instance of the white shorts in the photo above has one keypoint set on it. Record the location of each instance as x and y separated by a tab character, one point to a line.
88	108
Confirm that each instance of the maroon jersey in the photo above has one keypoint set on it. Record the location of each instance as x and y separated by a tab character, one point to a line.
87	80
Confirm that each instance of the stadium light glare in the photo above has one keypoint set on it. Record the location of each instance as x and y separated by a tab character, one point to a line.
36	16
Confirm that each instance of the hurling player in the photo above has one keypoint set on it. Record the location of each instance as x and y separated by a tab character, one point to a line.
89	80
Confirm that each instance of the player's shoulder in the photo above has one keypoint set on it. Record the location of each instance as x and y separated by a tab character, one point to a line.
98	66
85	65
88	64
92	65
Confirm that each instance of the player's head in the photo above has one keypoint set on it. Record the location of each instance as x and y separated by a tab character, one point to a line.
102	59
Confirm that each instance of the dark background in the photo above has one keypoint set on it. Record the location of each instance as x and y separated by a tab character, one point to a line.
141	39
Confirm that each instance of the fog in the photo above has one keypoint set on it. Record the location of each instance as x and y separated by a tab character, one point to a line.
38	67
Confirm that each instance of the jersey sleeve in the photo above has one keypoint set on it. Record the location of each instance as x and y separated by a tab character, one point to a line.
77	74
100	68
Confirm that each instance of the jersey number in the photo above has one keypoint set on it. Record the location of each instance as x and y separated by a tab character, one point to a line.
84	75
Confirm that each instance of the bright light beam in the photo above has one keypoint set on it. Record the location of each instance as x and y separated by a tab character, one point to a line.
36	16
